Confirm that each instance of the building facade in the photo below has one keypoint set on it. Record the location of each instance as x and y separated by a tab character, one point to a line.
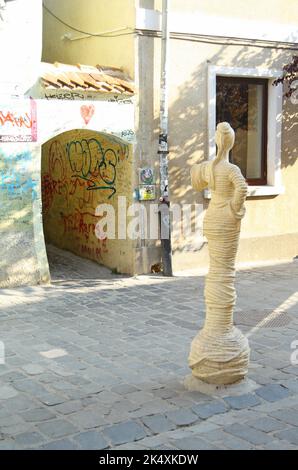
65	150
22	251
224	57
223	60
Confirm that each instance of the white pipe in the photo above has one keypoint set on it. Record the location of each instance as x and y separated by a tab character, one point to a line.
163	138
165	223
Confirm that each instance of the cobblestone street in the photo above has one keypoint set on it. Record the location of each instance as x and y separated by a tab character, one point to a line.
97	361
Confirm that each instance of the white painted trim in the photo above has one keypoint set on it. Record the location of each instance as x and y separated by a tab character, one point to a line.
148	19
256	191
265	190
274	180
198	23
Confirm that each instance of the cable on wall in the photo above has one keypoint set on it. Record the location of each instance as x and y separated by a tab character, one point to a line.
222	40
106	34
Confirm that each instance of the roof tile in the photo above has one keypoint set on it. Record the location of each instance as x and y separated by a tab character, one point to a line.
84	77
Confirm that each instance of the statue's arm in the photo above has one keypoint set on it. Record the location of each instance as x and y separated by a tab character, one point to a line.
240	192
198	176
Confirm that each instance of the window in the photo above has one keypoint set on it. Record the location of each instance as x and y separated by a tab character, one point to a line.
261	161
243	103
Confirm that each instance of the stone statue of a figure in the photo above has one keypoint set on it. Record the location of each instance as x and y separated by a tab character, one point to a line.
220	353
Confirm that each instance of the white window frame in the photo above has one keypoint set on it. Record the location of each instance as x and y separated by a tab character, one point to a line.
274	180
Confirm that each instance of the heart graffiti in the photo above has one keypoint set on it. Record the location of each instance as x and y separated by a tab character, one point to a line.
87	112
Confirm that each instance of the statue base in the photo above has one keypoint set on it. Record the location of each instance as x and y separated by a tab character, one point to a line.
219	358
193	384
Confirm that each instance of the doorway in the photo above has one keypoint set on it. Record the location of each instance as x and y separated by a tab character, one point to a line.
81	169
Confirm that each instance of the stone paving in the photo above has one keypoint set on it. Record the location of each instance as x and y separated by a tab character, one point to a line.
97	361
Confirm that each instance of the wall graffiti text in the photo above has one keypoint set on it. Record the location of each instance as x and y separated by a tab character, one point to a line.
96	165
19	123
16	180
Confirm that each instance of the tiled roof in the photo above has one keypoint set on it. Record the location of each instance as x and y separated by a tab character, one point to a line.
84	77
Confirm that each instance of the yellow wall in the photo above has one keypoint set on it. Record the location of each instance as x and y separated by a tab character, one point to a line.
70	165
95	16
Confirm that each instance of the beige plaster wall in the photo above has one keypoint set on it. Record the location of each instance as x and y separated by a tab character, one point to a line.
267	10
270	228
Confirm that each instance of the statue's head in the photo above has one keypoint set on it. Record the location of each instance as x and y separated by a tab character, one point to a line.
224	136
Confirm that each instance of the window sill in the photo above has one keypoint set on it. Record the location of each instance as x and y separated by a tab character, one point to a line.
256	191
265	190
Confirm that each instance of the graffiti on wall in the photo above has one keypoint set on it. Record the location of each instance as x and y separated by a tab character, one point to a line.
95	164
18	122
85	96
16	181
15	120
81	169
87	112
19	190
16	188
112	117
79	222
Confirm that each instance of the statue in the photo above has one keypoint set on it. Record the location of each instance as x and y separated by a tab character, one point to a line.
220	353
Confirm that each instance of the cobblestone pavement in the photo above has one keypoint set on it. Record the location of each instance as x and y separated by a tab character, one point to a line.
99	362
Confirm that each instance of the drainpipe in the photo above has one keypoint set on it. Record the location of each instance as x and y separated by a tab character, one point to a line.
164	201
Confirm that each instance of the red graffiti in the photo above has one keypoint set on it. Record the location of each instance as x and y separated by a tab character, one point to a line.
77	222
87	112
55	181
15	120
75	175
94	252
